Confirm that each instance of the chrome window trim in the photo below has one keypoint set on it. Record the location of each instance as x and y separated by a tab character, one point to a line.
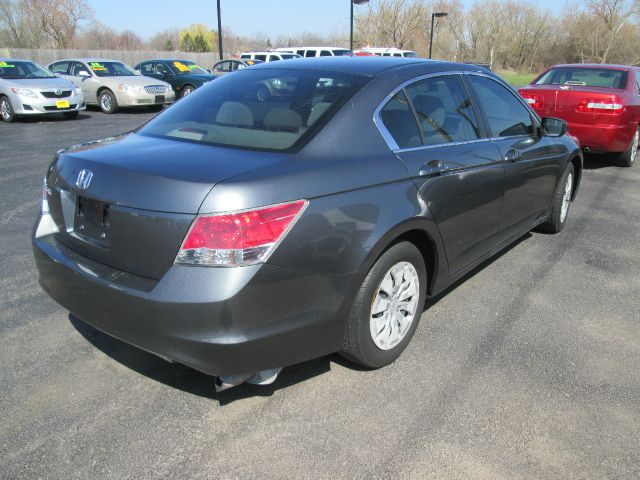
386	135
440	145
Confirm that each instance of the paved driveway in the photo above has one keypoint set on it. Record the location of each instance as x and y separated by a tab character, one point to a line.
528	368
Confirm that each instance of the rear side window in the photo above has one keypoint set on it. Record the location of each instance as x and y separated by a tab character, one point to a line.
588	77
325	53
310	53
506	115
145	68
61	67
274	58
400	122
444	110
261	57
258	109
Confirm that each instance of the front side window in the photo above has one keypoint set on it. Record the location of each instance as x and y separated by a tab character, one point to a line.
444	110
15	70
325	53
78	69
506	115
310	53
262	58
274	58
162	69
400	122
112	69
258	109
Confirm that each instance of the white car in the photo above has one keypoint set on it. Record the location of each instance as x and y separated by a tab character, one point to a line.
388	52
268	56
111	85
27	88
317	51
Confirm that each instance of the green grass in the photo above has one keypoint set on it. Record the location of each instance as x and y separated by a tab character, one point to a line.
518	79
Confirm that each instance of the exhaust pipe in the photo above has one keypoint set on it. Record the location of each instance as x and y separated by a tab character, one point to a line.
263	377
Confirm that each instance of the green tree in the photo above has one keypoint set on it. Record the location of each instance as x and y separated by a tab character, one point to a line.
197	38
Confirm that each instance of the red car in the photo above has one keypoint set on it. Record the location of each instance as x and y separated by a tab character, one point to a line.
601	104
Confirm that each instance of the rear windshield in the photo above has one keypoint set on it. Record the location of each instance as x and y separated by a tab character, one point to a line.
264	109
112	69
10	69
588	77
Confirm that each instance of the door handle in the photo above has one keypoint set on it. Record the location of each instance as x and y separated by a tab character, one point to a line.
512	155
432	167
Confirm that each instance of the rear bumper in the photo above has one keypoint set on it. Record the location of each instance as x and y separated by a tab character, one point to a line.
215	320
603	138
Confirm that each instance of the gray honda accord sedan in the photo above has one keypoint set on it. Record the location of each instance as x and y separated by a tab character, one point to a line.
235	235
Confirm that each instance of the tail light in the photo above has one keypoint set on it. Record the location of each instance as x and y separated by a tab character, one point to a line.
238	238
536	101
611	105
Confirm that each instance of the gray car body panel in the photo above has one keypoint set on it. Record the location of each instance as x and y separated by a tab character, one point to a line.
362	197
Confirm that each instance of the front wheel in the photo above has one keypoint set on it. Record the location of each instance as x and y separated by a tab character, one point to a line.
6	110
107	101
387	308
627	158
187	90
560	203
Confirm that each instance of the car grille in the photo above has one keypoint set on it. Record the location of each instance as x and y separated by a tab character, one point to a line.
56	109
155	89
63	94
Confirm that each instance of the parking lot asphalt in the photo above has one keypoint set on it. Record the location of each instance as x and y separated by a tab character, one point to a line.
528	368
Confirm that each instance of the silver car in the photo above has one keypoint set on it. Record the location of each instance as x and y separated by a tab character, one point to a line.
27	88
110	84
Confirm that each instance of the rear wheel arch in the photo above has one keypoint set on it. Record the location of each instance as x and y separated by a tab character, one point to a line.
424	236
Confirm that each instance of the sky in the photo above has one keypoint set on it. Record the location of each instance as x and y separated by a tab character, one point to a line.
244	17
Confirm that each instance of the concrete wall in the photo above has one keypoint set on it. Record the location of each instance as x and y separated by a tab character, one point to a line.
44	56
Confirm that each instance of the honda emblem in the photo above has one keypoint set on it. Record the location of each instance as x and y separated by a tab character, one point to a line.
84	179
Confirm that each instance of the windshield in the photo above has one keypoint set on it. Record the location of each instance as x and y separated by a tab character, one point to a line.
112	69
588	77
289	56
264	109
14	70
185	67
410	54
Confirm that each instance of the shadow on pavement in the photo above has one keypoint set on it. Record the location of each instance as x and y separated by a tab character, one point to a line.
197	383
594	161
51	118
194	382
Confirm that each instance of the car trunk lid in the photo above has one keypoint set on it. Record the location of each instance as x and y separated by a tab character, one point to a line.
129	201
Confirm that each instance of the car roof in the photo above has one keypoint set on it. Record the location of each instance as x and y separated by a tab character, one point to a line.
7	59
86	60
167	60
595	65
310	48
363	65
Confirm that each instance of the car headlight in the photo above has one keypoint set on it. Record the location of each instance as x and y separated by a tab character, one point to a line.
276	82
129	88
25	92
77	90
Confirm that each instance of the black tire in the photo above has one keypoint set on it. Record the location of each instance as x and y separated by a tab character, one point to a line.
107	102
71	115
6	110
627	158
358	344
557	219
187	90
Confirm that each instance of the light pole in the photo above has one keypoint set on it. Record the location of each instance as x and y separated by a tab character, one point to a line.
434	15
354	2
220	32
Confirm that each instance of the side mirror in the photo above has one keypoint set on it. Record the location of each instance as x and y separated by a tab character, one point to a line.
83	73
553	127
